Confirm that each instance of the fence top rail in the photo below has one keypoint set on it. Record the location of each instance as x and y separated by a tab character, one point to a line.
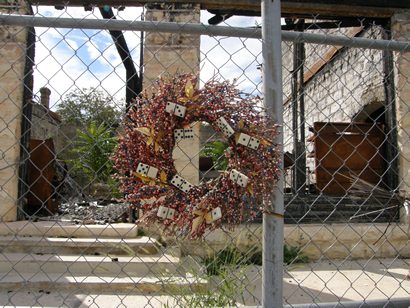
199	29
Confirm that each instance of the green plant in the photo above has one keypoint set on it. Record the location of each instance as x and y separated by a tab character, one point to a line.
94	147
141	232
231	256
255	257
78	109
225	271
229	286
223	290
216	151
224	295
216	264
292	254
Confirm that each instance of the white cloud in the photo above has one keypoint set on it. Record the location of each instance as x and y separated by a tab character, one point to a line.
72	43
67	59
232	58
93	50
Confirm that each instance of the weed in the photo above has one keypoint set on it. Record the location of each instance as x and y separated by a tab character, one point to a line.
216	264
141	232
222	291
226	270
233	257
292	254
225	273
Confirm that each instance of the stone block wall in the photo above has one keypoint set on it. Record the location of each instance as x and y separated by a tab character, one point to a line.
401	31
314	54
316	241
13	58
166	54
44	123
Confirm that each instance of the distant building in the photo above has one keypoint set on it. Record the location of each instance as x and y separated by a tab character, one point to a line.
44	122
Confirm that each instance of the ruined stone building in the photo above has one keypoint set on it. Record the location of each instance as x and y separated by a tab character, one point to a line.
322	84
23	119
44	122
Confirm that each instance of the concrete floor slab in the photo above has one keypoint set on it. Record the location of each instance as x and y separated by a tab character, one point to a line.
55	299
70	245
329	281
110	285
68	229
303	283
138	266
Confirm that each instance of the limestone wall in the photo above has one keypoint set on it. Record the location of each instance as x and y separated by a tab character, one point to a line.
12	55
166	54
44	122
401	31
314	54
44	126
331	241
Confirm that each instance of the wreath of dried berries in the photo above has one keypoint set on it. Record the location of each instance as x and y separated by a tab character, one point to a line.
146	168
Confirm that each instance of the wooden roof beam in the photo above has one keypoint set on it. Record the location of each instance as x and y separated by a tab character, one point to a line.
333	8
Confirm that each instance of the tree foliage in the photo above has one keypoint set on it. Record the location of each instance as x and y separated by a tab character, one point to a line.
89	121
83	106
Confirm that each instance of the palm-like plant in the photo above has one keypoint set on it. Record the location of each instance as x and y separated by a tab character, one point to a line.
94	146
216	151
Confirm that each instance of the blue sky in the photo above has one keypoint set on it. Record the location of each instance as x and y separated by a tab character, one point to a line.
73	58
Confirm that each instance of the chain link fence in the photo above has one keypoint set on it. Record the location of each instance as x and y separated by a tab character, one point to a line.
68	238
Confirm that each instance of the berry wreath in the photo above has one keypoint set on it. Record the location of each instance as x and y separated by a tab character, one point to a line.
154	126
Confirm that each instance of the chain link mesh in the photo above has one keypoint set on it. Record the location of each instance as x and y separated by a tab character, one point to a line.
69	239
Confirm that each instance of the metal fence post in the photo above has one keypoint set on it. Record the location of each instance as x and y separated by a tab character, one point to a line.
273	218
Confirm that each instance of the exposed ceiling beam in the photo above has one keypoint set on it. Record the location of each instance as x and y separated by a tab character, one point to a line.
347	8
